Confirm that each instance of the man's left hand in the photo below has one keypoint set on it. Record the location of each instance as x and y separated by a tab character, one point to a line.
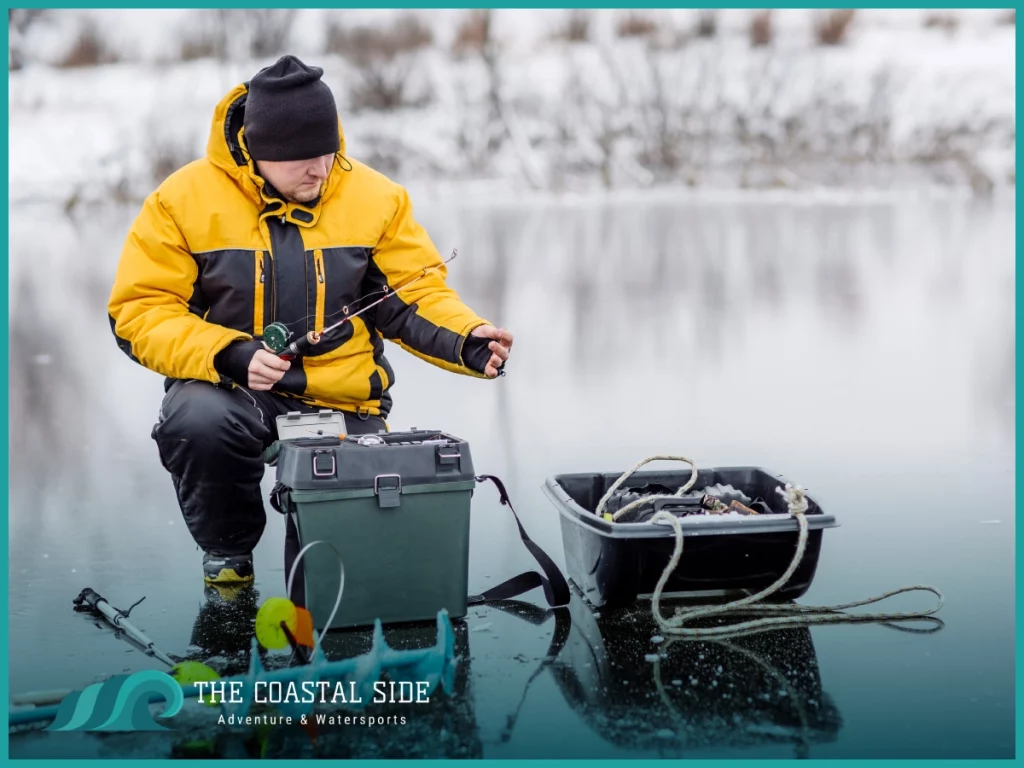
500	347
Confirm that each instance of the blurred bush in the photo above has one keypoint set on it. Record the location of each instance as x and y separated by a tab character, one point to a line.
636	25
89	49
384	58
576	28
232	34
761	31
707	24
833	27
473	35
638	98
945	22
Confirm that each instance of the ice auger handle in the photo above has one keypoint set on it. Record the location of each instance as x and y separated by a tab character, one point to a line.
88	597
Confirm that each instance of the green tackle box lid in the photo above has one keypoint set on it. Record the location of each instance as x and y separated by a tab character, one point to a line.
383	460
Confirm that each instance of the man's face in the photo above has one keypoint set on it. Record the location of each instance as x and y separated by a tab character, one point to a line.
298	180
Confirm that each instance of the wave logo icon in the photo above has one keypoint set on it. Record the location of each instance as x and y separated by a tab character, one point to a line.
120	704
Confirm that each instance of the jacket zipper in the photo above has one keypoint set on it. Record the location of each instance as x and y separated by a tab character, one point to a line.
273	275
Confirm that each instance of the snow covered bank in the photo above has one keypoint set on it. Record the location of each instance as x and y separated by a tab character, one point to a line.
899	105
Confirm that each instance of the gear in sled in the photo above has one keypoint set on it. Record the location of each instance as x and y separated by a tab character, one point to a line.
717	499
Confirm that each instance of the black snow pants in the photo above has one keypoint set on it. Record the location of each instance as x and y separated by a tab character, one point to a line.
211	440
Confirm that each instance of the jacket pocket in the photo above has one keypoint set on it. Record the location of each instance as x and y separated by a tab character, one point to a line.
321	292
261	278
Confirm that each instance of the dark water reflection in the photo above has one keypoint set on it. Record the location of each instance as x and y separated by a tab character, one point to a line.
866	350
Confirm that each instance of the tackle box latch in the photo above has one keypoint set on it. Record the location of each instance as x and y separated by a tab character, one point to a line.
448	456
388	489
324	463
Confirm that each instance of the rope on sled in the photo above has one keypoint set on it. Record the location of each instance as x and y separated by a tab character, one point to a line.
775	616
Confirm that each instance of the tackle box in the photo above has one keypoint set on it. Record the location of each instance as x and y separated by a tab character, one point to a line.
614	563
395	506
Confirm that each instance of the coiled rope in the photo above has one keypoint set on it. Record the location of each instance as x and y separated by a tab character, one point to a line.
776	616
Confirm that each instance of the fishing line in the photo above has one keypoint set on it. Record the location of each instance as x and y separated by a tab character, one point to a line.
341	581
288	345
344	310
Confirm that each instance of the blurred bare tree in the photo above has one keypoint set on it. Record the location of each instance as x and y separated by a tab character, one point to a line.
635	24
762	32
945	22
384	58
833	27
653	104
485	129
480	138
474	35
576	28
228	34
90	48
268	30
707	24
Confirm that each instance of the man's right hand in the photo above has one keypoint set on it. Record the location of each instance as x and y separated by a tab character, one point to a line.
266	369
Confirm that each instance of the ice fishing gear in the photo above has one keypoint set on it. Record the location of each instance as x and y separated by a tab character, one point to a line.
351	682
768	557
280	623
397	507
278	337
640	503
90	600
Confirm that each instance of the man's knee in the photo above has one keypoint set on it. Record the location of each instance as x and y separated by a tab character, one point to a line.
207	423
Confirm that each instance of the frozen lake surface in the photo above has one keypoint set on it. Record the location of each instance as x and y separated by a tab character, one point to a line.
863	348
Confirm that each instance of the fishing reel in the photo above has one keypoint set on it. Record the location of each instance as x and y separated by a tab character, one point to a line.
276	336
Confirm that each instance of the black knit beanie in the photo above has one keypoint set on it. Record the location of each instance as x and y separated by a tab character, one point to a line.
290	113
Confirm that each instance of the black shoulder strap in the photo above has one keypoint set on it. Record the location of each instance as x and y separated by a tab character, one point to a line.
556	589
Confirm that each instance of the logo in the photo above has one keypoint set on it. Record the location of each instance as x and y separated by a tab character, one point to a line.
120	704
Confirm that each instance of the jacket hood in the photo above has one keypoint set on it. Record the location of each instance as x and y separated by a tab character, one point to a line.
226	148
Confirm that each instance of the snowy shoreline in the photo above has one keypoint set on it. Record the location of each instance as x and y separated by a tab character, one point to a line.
899	110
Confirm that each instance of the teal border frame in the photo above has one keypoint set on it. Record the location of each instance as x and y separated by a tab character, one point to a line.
4	699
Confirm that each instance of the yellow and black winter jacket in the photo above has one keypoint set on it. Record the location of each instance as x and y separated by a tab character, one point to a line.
216	255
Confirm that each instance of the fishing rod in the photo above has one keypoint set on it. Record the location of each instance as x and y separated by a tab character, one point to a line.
91	600
277	336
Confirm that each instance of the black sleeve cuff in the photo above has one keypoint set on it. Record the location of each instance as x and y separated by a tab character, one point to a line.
233	361
475	353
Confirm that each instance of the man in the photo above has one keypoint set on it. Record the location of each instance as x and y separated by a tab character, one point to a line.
276	224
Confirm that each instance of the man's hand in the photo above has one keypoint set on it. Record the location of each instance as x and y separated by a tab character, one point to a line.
500	347
266	369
